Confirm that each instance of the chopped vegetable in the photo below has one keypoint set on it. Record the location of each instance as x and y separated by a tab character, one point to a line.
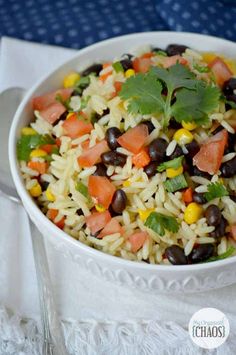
70	79
53	112
194	98
215	190
141	65
26	143
75	127
81	84
201	68
192	213
42	102
137	240
97	221
177	183
183	136
40	167
143	214
159	222
141	159
174	164
82	189
117	66
172	173
101	189
209	157
113	226
221	70
118	86
162	53
230	251
92	156
52	214
49	195
134	139
36	190
50	148
170	61
233	231
188	195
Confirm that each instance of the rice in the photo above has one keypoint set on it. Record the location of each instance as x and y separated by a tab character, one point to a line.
68	180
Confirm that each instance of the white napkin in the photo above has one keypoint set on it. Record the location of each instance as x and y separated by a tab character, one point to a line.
81	296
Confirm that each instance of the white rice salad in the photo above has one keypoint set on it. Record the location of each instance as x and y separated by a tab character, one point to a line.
137	158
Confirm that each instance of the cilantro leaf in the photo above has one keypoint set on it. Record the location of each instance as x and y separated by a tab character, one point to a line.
82	84
225	255
215	189
144	94
158	222
175	77
194	105
174	164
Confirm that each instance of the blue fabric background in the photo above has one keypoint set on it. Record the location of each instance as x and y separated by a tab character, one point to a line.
78	23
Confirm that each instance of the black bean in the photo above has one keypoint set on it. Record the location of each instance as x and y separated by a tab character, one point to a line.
231	143
126	64
95	234
201	253
151	169
192	148
175	255
199	198
197	172
157	149
174	124
119	201
174	49
229	86
95	116
114	158
219	231
228	169
149	125
111	136
127	55
231	97
233	197
176	153
101	170
94	68
157	49
44	185
213	215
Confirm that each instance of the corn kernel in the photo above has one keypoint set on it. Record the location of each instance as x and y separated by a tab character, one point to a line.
189	125
171	173
37	153
143	214
183	136
192	213
28	131
208	57
36	190
129	73
49	195
69	115
126	183
100	208
70	80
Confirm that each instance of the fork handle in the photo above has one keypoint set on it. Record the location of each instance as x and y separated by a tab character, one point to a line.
52	334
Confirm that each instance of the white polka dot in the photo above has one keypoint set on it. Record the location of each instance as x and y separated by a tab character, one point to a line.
171	21
167	1
203	16
186	15
229	33
89	40
102	34
176	7
211	9
195	5
227	15
28	35
195	24
179	27
72	33
220	22
213	26
58	38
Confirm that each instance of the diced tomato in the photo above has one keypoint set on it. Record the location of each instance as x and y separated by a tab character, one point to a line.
169	61
233	231
147	55
41	102
85	144
52	214
141	159
221	70
141	65
58	142
112	227
53	112
92	156
101	189
75	127
134	139
137	240
104	77
97	221
48	148
40	167
209	157
106	65
188	195
118	86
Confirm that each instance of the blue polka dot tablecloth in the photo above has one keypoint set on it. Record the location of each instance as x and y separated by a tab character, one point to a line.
78	23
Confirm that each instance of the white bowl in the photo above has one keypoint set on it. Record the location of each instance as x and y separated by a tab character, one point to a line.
146	277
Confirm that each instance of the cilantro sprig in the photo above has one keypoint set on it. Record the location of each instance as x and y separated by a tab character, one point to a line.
186	98
174	164
230	251
215	190
159	222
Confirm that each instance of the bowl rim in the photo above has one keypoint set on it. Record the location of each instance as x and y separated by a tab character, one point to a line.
35	210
